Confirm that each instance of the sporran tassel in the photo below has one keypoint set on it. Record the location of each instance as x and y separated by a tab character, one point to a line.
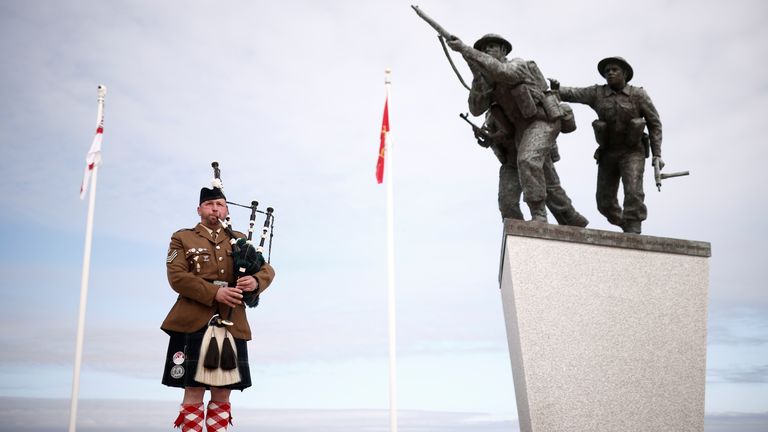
212	355
228	356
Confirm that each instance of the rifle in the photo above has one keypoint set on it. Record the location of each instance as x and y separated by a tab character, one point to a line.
658	176
440	30
442	35
483	138
487	139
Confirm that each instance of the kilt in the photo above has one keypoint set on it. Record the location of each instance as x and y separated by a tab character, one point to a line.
183	353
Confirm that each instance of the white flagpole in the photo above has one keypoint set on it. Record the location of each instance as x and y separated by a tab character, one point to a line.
391	275
86	270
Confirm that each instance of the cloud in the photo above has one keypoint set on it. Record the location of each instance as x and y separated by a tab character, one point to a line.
755	374
736	422
735	326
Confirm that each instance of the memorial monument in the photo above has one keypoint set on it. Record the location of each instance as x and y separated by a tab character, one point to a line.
606	331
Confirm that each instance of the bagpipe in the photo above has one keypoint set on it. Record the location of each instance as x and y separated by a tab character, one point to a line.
248	259
217	365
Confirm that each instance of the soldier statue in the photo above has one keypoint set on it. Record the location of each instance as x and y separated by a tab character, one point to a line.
623	113
518	97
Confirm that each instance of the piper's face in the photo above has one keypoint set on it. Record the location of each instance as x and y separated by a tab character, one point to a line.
615	76
211	211
496	50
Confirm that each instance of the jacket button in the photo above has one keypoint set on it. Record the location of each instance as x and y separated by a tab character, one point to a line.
221	271
218	247
221	258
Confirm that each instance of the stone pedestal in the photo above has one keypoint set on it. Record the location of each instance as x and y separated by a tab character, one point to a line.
607	331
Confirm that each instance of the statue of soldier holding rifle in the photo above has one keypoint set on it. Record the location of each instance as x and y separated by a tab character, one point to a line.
517	99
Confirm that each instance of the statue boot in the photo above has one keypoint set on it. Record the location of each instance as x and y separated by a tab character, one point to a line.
572	218
538	211
578	220
631	226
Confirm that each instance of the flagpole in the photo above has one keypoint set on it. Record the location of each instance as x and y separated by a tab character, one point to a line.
86	265
83	300
391	276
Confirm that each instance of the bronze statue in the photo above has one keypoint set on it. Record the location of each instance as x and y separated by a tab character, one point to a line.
523	119
516	93
623	112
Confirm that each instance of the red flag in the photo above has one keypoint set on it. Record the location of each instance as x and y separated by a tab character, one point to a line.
383	142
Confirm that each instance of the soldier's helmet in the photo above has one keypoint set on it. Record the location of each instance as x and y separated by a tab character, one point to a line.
492	37
617	60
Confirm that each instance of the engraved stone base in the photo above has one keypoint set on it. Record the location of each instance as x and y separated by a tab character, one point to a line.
606	331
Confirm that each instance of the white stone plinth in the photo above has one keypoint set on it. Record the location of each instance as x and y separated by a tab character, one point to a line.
607	331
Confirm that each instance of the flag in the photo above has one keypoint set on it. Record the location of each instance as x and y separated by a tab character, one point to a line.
92	158
383	142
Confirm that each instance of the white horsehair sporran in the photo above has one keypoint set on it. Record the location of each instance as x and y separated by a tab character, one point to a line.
217	365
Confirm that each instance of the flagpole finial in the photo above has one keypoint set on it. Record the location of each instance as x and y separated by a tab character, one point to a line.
387	75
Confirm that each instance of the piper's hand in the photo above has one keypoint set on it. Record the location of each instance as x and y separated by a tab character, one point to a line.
230	296
247	283
661	162
554	84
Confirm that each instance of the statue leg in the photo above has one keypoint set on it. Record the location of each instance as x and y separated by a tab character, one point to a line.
632	167
608	176
533	150
558	202
510	191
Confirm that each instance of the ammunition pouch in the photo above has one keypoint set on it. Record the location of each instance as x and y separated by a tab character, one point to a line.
568	121
635	128
601	136
551	106
601	132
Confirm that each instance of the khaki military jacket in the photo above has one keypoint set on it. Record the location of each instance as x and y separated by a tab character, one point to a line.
194	262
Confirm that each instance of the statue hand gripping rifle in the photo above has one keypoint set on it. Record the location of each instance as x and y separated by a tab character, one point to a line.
523	119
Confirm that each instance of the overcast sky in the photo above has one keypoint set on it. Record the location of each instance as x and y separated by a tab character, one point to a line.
288	97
